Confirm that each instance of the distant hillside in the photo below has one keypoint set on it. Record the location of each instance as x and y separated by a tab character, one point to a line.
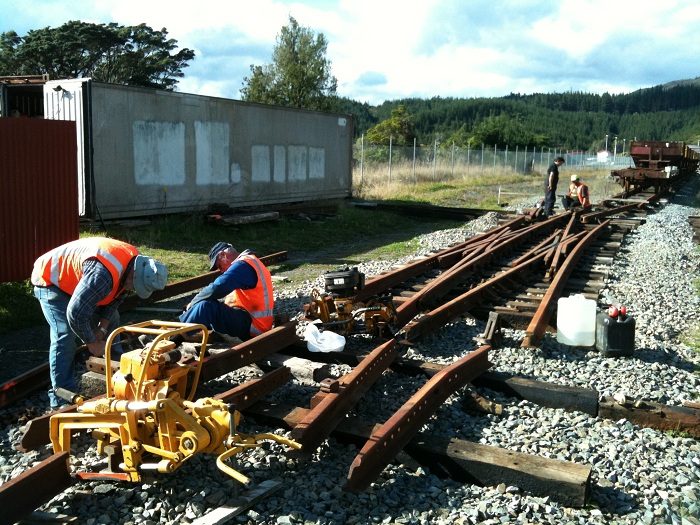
687	82
572	120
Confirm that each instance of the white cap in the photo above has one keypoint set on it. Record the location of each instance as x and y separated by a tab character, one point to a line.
149	275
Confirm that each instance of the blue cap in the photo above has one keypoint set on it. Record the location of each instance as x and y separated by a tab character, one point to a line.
215	250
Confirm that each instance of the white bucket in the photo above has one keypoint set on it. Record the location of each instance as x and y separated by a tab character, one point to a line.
576	320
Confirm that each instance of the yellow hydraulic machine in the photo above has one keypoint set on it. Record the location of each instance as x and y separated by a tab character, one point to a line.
147	420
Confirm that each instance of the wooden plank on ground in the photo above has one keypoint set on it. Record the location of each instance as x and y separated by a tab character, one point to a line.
225	514
567	482
542	393
653	415
244	219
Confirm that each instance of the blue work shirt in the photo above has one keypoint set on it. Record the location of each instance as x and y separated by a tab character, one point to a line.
239	276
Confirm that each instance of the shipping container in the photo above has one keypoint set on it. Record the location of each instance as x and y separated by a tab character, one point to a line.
146	152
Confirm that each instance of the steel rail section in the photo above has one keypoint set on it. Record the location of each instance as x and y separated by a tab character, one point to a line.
440	286
383	282
538	324
34	487
325	416
545	245
558	251
453	255
588	218
387	441
24	384
250	351
244	395
442	315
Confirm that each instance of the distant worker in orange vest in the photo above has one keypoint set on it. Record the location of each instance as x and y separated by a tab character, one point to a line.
80	286
577	195
245	285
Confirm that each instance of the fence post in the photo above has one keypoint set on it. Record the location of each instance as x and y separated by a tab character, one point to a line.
453	159
541	156
434	157
414	161
525	161
505	161
515	162
391	141
469	151
362	159
482	158
494	158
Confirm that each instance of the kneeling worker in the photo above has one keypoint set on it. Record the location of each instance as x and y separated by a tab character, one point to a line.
79	286
577	195
245	285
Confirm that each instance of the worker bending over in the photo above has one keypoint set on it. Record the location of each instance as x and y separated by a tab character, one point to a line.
577	196
80	286
245	285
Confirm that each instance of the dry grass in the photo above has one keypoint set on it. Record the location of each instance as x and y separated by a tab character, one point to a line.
469	186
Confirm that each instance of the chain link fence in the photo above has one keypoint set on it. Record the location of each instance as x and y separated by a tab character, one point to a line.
441	161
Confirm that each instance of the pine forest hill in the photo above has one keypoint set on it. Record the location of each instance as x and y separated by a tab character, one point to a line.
571	120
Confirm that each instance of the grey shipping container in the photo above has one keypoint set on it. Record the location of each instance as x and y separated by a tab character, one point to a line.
146	152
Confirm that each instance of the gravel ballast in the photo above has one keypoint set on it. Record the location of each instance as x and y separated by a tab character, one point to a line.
639	476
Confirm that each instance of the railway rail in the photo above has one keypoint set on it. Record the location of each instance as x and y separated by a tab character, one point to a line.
510	275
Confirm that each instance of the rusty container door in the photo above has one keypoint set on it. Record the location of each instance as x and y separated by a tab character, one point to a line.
39	208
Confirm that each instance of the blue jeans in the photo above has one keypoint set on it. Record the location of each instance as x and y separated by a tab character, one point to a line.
549	198
219	317
54	304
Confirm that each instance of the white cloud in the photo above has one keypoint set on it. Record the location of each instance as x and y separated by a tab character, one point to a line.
391	49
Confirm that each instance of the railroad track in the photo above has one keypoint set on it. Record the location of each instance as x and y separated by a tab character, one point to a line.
516	271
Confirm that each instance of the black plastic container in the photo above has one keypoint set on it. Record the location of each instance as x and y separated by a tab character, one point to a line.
345	282
614	336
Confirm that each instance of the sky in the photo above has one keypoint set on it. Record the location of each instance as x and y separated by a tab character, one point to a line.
391	49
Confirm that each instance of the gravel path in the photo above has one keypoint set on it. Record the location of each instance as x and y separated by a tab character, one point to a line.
639	475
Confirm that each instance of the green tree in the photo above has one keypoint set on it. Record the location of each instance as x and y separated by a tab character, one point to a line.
299	75
133	55
399	127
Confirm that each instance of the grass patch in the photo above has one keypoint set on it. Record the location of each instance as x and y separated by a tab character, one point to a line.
314	246
18	307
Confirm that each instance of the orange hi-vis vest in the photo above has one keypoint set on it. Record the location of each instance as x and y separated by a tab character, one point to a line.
582	194
259	302
63	266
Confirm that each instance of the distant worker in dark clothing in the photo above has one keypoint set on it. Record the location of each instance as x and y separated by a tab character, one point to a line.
577	195
550	186
245	285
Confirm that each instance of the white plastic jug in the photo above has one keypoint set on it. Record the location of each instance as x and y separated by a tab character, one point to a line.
576	320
